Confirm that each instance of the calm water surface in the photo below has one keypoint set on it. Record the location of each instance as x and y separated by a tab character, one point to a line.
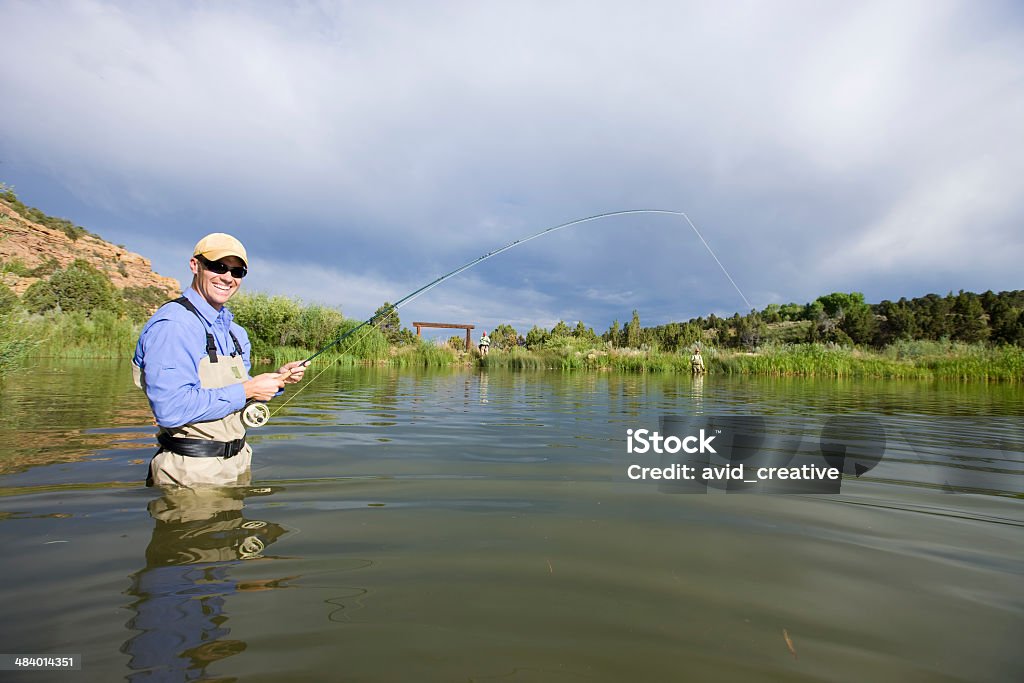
467	526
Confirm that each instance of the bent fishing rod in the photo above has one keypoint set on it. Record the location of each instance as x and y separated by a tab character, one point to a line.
256	414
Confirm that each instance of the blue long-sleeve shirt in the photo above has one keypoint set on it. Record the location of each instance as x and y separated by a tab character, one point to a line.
170	348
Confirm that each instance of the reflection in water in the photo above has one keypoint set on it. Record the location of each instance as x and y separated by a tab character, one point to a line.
483	387
180	616
49	415
697	395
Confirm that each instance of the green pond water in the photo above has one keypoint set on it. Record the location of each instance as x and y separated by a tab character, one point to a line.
464	526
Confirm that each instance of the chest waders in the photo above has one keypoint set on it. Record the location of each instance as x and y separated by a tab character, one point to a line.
210	452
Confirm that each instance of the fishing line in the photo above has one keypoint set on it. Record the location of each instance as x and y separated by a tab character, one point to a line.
749	305
375	321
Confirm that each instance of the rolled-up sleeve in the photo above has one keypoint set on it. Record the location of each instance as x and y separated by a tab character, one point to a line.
172	379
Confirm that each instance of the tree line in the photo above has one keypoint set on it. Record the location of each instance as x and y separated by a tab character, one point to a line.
840	317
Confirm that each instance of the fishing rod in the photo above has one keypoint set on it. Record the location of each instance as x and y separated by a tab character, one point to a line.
256	414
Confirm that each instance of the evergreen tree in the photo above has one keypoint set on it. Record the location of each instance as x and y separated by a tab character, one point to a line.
584	333
633	331
750	330
561	330
935	319
612	335
1003	321
1015	333
988	300
897	323
859	324
691	334
536	337
387	321
969	323
504	337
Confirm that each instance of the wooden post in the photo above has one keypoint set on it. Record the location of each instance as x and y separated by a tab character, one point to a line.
469	340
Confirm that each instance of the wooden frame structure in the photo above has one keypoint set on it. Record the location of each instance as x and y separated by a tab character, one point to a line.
446	326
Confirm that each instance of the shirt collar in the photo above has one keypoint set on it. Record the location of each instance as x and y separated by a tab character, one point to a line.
209	313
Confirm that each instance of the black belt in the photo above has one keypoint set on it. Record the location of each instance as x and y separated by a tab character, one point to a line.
200	448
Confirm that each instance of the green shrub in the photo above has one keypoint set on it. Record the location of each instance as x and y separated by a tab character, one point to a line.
8	299
317	326
14	345
80	287
278	321
504	337
270	321
140	302
46	269
16	267
39	297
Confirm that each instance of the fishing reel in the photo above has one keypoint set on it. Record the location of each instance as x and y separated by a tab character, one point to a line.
255	414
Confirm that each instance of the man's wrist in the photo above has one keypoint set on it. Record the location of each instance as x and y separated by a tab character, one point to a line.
240	395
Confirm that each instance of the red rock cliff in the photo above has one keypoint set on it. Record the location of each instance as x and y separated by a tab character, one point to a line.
33	244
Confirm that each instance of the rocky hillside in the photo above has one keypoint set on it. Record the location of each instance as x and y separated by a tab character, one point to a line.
25	245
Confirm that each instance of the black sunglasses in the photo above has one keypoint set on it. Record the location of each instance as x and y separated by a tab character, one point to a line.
221	268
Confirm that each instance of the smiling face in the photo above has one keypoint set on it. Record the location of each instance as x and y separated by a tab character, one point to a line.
216	289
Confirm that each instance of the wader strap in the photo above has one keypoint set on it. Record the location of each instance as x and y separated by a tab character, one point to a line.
211	344
200	448
238	347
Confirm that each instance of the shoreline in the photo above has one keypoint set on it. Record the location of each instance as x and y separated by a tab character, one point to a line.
972	363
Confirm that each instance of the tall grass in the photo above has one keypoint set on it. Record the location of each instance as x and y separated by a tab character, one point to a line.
14	346
279	355
102	334
568	358
426	355
281	330
907	360
514	359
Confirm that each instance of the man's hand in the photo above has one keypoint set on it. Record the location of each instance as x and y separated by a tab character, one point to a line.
292	372
264	387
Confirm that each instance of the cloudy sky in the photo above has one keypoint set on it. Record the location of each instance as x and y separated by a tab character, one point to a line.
361	149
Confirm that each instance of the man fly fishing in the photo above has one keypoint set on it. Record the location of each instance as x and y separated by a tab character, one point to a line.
198	393
193	362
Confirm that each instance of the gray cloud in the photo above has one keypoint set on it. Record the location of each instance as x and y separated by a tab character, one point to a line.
363	149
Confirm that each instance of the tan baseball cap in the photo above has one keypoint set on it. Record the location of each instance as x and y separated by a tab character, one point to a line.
217	245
